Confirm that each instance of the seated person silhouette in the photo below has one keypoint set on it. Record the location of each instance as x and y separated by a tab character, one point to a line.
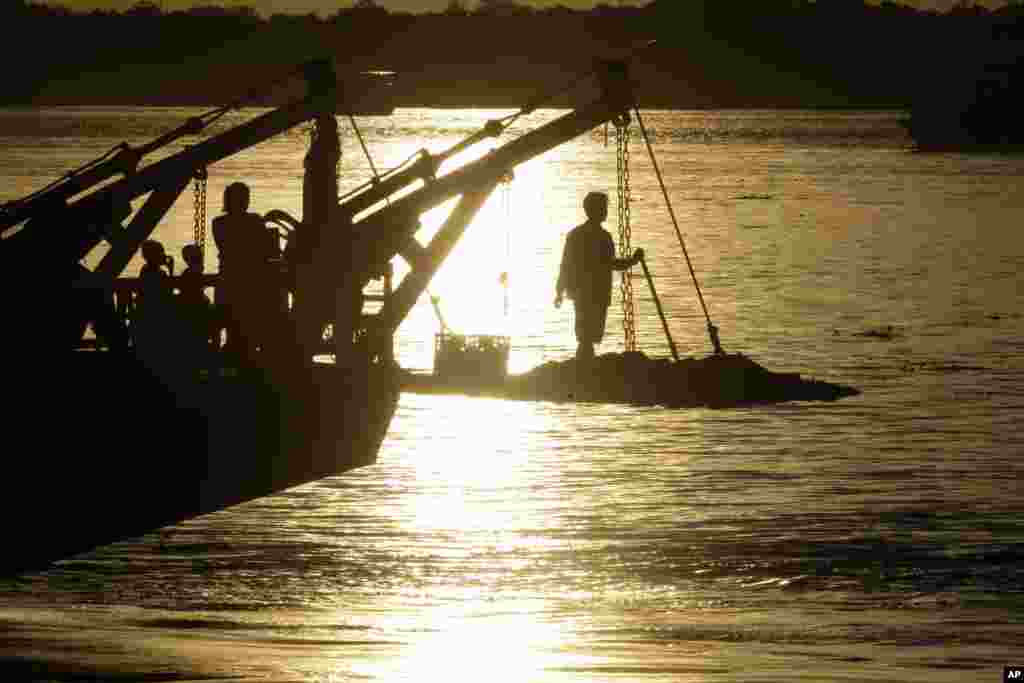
194	306
588	260
95	306
155	276
153	316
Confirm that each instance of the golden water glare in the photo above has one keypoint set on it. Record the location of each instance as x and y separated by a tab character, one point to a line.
471	491
507	236
477	453
459	482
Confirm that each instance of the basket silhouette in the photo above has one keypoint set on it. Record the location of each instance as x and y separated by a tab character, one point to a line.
476	358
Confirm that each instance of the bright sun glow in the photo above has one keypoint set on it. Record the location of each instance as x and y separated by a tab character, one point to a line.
477	641
516	232
497	241
478	452
468	463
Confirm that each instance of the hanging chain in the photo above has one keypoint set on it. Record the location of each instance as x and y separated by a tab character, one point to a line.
199	211
625	232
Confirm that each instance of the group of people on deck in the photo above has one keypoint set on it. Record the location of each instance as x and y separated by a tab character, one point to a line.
248	288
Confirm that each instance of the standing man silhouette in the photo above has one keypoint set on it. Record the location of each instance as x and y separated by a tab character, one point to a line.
586	273
245	289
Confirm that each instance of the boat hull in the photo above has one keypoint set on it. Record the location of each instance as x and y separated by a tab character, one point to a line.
112	448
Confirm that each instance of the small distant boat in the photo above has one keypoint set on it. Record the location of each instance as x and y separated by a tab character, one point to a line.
978	111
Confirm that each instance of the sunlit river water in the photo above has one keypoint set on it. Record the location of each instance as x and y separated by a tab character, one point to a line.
877	538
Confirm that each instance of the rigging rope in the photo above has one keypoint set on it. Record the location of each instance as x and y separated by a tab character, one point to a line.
211	116
193	126
545	97
359	136
712	329
69	175
625	231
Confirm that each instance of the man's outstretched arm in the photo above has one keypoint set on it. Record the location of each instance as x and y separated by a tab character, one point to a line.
624	263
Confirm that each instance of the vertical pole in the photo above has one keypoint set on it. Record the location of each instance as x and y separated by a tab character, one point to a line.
314	304
315	300
661	313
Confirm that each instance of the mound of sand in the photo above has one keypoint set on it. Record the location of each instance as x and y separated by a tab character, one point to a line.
716	381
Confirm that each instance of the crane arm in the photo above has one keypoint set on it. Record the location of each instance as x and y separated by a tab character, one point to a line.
183	164
90	210
616	101
389	232
422	166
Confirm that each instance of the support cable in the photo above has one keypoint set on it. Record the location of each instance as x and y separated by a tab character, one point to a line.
362	143
712	329
121	146
211	116
544	98
493	128
571	84
192	126
506	200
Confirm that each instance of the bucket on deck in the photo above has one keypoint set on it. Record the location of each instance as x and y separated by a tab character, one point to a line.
477	358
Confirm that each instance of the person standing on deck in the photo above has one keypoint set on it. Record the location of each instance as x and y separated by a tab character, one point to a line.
246	279
586	273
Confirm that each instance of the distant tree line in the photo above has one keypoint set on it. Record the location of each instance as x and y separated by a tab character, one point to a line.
498	52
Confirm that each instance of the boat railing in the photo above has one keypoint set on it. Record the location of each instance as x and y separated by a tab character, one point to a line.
125	295
125	291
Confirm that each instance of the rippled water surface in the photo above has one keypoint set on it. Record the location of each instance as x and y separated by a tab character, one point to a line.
880	537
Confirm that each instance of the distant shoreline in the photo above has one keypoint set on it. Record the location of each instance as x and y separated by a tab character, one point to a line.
644	108
699	55
30	106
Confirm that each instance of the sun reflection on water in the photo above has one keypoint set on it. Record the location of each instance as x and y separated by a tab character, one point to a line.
477	455
474	640
466	489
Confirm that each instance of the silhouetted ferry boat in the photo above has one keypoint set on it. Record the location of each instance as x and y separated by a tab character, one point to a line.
108	442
